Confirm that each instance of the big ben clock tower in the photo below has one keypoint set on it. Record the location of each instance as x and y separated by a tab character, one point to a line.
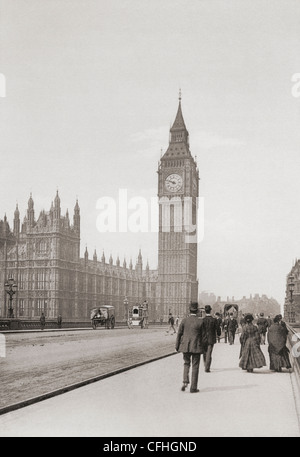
178	190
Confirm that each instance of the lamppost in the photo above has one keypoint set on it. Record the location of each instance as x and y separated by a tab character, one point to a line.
291	286
11	288
126	308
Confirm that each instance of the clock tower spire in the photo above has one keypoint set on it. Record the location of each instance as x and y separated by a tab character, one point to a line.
179	135
178	179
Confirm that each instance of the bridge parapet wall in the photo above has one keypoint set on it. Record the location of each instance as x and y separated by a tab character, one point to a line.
293	343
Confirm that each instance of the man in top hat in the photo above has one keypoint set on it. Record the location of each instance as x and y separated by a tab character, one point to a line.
232	328
225	327
189	342
211	329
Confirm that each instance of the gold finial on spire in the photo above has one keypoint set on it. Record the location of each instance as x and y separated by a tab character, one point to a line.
180	94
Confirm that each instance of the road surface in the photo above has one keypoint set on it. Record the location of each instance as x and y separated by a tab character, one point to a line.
37	363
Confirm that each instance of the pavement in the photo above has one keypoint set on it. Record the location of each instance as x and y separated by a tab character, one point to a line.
148	402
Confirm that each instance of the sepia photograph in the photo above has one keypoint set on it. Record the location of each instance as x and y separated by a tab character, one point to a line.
149	221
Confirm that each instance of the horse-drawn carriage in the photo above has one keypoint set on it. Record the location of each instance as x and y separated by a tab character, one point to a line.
138	315
231	308
103	315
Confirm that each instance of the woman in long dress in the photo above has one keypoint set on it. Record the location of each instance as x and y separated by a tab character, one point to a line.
251	356
278	352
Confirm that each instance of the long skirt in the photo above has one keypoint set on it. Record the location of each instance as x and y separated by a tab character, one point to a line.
251	355
279	360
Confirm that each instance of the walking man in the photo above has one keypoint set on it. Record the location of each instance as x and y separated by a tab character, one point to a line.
189	342
171	324
225	327
232	328
262	325
220	322
211	329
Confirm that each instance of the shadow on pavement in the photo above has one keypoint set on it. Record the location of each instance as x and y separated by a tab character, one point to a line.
227	388
216	370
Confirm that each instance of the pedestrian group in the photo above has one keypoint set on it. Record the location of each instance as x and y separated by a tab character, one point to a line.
198	336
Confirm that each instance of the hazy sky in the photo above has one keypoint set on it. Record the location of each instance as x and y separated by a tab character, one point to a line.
91	91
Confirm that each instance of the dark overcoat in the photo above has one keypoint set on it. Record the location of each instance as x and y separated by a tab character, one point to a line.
190	334
211	329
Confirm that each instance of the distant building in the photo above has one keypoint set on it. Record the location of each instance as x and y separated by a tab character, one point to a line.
254	304
207	298
259	304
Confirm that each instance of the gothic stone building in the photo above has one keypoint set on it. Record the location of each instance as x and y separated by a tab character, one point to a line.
43	257
292	309
43	254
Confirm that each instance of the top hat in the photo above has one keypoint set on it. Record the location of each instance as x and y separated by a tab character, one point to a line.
249	318
194	307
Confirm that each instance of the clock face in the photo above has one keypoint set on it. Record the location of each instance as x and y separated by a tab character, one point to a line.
173	182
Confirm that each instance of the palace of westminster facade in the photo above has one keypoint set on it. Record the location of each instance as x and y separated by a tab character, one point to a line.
42	254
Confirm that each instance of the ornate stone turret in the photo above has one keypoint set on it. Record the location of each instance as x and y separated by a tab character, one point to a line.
30	212
139	264
24	225
67	219
51	213
179	136
4	227
57	209
76	217
17	222
86	255
95	256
